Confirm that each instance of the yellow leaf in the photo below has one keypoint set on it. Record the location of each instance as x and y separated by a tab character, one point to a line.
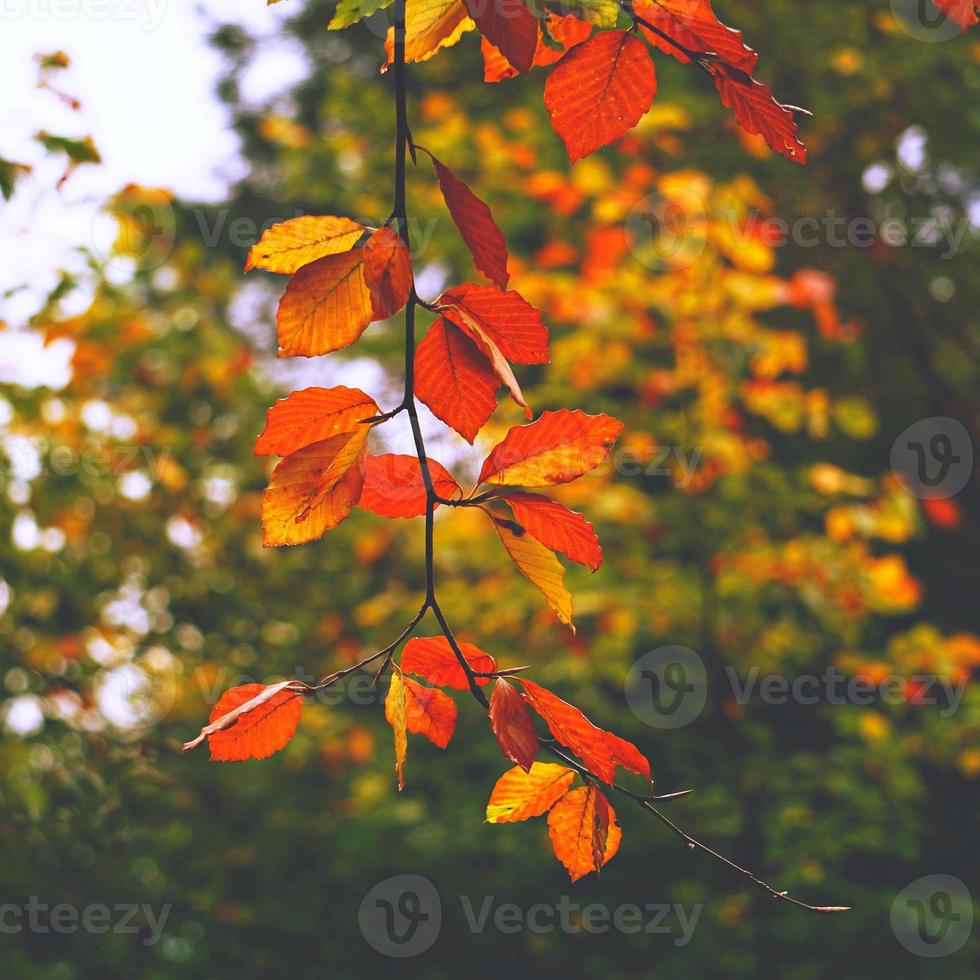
326	306
538	564
395	713
290	245
313	490
429	26
519	795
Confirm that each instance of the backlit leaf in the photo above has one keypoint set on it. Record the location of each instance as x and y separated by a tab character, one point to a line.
566	31
429	26
290	245
583	830
429	712
520	795
433	658
539	566
556	527
387	272
509	26
393	485
312	415
326	306
600	90
601	751
455	379
511	724
556	448
395	714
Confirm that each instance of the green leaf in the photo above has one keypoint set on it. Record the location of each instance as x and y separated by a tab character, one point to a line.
351	11
600	13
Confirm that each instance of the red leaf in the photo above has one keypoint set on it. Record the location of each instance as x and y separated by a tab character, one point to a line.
556	527
694	25
601	751
432	657
475	223
455	380
758	112
259	732
312	415
393	485
506	318
509	26
567	31
963	13
600	90
512	725
387	272
557	448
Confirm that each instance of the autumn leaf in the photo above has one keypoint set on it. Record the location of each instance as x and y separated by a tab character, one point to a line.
509	26
326	306
393	485
502	317
695	26
289	245
556	448
511	724
475	223
583	830
312	415
601	751
455	380
349	12
433	658
313	490
566	31
429	712
758	112
963	13
395	715
387	272
539	566
599	90
556	527
251	721
429	26
520	795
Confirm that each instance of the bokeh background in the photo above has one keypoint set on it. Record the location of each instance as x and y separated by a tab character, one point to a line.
757	513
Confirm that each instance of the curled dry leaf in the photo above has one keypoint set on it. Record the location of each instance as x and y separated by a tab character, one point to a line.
511	724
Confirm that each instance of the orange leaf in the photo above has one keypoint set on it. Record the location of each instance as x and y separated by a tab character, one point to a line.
539	566
758	112
387	272
475	223
556	527
567	31
313	490
433	658
511	725
290	245
601	751
393	485
557	448
599	90
429	712
455	380
395	714
429	26
510	26
253	721
312	415
326	306
520	795
694	25
583	830
503	317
